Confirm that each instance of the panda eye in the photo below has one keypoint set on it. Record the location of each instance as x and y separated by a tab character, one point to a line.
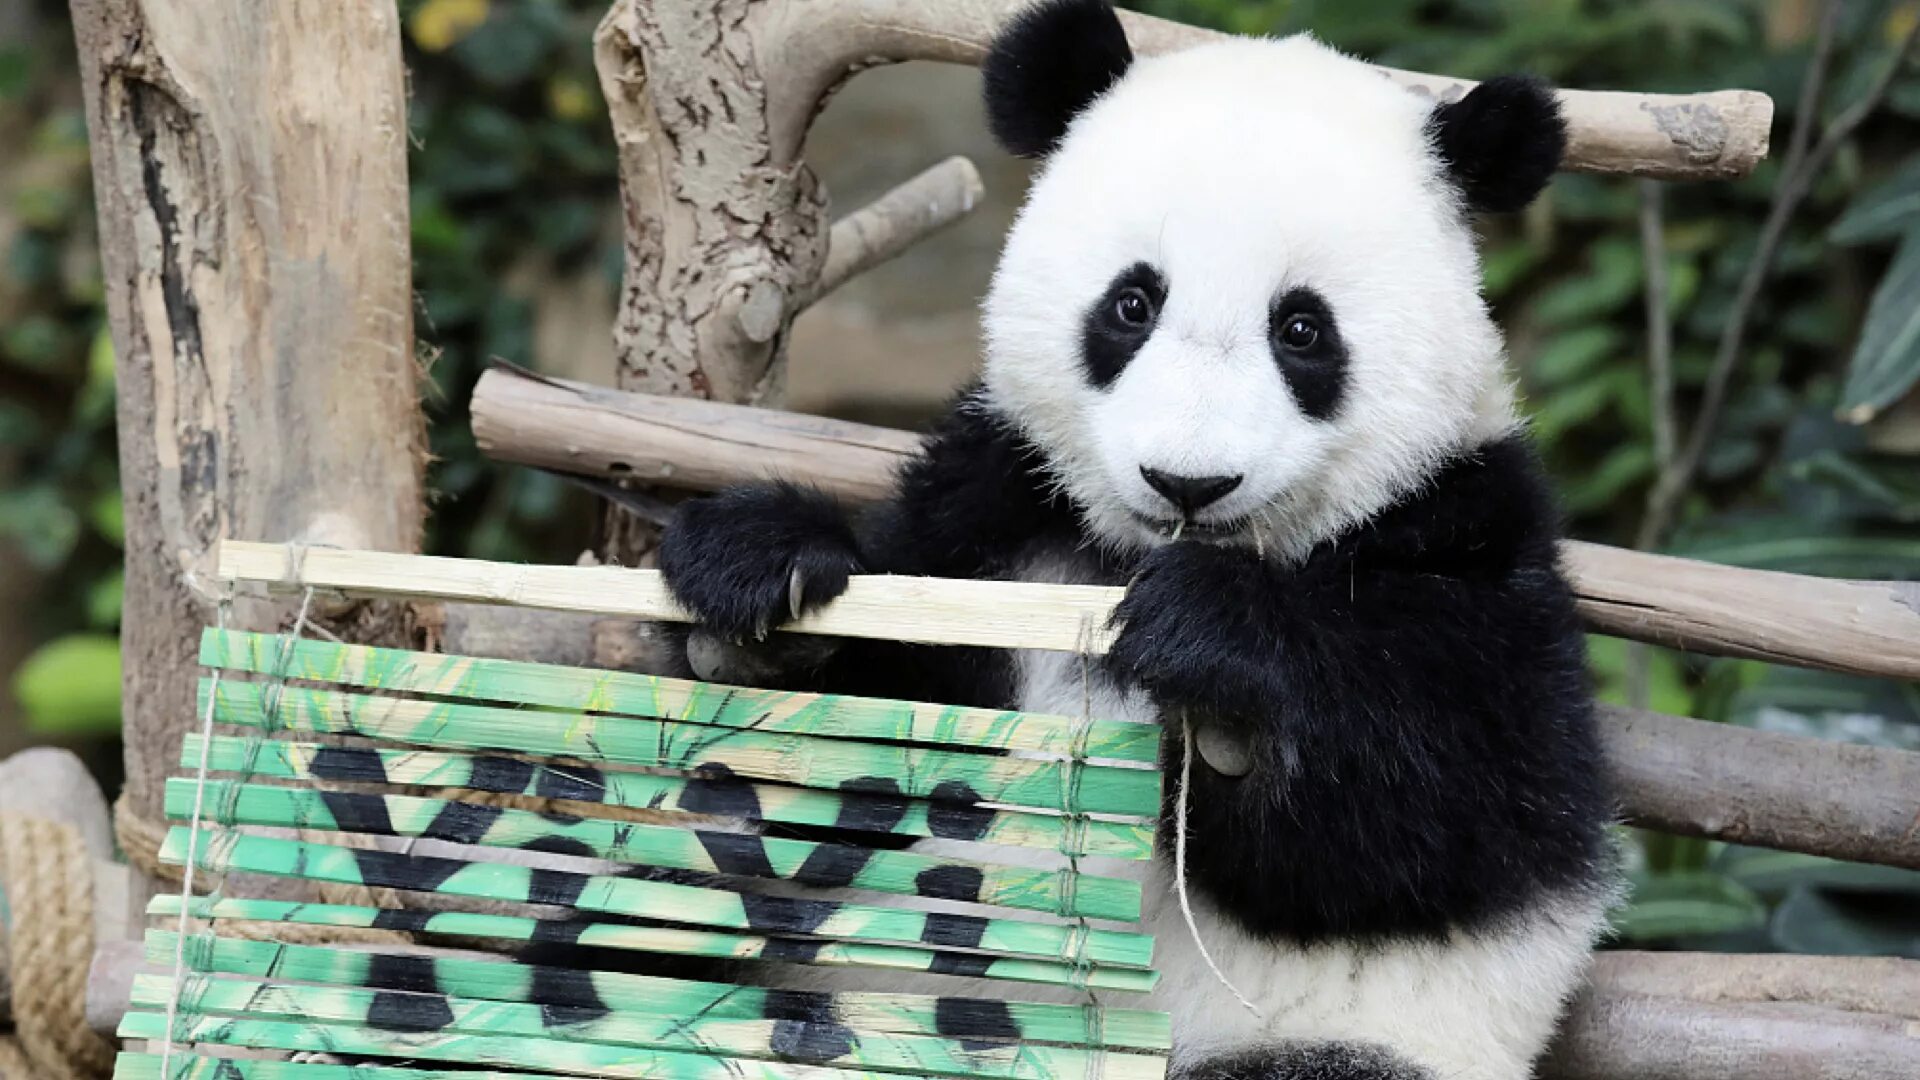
1134	308
1300	332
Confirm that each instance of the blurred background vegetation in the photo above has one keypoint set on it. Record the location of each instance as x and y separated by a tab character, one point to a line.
1810	467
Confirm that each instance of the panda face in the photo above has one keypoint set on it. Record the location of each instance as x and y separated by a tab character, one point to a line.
1241	303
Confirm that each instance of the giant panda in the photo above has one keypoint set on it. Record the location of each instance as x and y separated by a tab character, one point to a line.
1237	361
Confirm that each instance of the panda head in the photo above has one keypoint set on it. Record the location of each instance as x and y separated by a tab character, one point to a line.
1242	300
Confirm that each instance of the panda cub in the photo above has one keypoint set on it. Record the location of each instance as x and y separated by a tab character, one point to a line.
1237	361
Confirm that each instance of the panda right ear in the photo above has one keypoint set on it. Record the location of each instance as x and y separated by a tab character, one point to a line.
1047	65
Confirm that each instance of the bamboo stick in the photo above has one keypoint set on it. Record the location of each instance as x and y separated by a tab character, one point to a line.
500	980
1063	891
935	611
672	941
221	852
282	759
630	694
1066	785
441	1021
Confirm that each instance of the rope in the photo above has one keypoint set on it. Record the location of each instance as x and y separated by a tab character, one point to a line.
48	876
1180	865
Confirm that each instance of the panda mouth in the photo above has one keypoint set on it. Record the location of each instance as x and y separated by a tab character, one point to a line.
1190	529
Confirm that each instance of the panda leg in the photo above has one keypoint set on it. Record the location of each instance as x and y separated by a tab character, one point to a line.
1307	1060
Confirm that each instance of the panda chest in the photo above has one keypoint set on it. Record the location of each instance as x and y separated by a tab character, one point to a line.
1069	684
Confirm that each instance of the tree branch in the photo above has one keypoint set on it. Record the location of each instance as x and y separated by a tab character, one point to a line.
891	224
1696	136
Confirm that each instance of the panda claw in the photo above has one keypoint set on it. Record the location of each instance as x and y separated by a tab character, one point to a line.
796	591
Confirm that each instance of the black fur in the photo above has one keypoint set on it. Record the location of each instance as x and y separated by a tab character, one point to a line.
1046	65
731	559
1317	373
1415	700
1414	693
971	505
1501	143
1107	342
1307	1061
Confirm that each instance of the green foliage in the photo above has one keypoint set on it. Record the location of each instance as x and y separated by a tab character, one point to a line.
71	686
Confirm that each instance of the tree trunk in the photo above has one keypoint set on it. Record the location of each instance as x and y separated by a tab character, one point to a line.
250	169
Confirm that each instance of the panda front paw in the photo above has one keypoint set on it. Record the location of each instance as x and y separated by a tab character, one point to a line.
753	558
1193	631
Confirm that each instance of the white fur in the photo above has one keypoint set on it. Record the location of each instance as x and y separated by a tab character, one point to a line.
1238	170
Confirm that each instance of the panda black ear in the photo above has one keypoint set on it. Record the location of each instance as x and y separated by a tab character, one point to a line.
1046	65
1501	143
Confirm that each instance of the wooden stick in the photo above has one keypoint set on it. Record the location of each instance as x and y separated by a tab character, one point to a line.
1859	627
1765	788
935	611
896	221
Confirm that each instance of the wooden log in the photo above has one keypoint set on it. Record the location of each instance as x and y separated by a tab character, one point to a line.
249	166
1862	984
1766	788
1624	1036
1860	627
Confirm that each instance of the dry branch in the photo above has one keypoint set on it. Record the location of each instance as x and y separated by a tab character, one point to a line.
1765	788
1870	628
249	166
1693	136
896	221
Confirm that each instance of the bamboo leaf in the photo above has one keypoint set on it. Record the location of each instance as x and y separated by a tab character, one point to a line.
1887	361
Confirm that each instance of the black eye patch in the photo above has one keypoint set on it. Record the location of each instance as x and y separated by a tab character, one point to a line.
1120	322
1306	344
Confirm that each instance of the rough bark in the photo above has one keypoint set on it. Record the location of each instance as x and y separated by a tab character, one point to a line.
1863	627
250	171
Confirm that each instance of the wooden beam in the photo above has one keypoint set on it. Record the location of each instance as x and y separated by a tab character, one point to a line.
1859	627
249	165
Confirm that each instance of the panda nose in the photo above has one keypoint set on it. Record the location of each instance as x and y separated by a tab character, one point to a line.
1189	493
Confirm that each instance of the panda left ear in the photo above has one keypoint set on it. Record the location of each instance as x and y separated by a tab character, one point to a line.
1501	143
1048	64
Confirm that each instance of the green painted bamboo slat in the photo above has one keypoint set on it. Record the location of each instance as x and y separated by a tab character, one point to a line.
225	851
629	694
436	1019
186	1066
289	760
569	1058
662	939
1062	891
502	980
807	760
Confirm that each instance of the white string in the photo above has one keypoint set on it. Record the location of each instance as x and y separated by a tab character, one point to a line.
193	842
225	604
1180	866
